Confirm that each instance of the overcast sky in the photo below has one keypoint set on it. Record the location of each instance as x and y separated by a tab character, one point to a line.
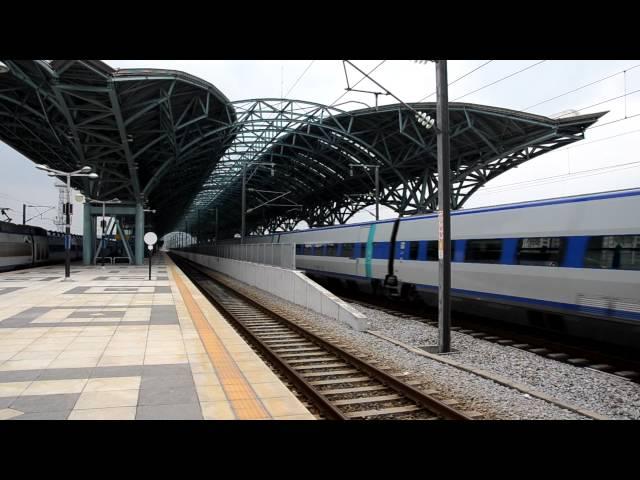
607	164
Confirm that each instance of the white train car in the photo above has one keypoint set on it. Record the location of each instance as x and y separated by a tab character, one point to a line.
569	264
26	246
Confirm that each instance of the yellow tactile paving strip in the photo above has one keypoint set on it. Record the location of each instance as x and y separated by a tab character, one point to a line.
241	395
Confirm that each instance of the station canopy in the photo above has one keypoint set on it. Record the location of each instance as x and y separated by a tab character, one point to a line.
175	143
151	135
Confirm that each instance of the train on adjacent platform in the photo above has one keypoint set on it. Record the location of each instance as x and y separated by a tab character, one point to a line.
570	264
26	246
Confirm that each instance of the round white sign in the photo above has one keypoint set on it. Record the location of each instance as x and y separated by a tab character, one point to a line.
150	238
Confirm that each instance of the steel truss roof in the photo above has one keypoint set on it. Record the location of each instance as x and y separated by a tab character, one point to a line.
151	135
175	143
312	146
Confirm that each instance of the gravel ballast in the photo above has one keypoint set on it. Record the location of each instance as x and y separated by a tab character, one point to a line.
595	391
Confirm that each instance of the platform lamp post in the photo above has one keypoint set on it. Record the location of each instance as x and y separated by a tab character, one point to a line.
150	210
113	201
83	172
376	181
444	204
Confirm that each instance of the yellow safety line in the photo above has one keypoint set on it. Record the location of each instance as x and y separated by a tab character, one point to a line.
242	397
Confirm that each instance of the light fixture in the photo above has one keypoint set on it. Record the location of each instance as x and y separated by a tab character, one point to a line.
79	198
351	171
93	175
4	68
85	169
129	138
42	167
51	174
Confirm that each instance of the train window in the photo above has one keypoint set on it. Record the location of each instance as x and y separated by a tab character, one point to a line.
318	250
363	250
413	250
432	251
347	250
307	250
483	251
332	249
543	251
619	252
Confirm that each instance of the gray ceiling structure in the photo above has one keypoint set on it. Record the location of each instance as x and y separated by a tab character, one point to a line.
175	143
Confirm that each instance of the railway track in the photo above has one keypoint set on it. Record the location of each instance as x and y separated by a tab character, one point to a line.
339	385
574	355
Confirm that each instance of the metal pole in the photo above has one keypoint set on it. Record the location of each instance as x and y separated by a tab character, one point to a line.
444	205
102	238
150	252
216	225
24	213
244	201
67	239
377	193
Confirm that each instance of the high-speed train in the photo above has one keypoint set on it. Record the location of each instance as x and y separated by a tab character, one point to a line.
568	264
25	246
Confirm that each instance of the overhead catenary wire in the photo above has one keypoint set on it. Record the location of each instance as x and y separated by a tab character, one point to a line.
581	87
603	101
558	178
458	79
499	80
614	121
562	177
301	75
358	82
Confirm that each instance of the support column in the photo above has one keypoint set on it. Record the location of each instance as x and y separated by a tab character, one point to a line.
139	234
88	234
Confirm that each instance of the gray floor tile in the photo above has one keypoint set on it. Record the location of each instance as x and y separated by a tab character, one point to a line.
62	415
116	371
183	380
163	320
19	375
23	318
45	403
6	401
189	411
167	395
65	373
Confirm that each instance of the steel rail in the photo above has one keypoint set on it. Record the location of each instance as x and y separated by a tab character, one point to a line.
321	402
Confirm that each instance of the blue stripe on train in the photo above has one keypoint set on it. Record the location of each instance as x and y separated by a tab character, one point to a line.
622	314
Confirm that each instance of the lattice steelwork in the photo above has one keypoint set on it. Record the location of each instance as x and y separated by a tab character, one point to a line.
174	143
152	135
312	147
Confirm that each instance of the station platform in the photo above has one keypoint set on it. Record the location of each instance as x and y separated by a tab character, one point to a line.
111	344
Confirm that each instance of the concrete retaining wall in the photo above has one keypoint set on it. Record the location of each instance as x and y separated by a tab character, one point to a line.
292	285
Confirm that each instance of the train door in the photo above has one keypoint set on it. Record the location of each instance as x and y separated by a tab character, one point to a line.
365	238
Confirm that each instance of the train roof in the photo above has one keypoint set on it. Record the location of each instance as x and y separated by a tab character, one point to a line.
6	227
632	192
